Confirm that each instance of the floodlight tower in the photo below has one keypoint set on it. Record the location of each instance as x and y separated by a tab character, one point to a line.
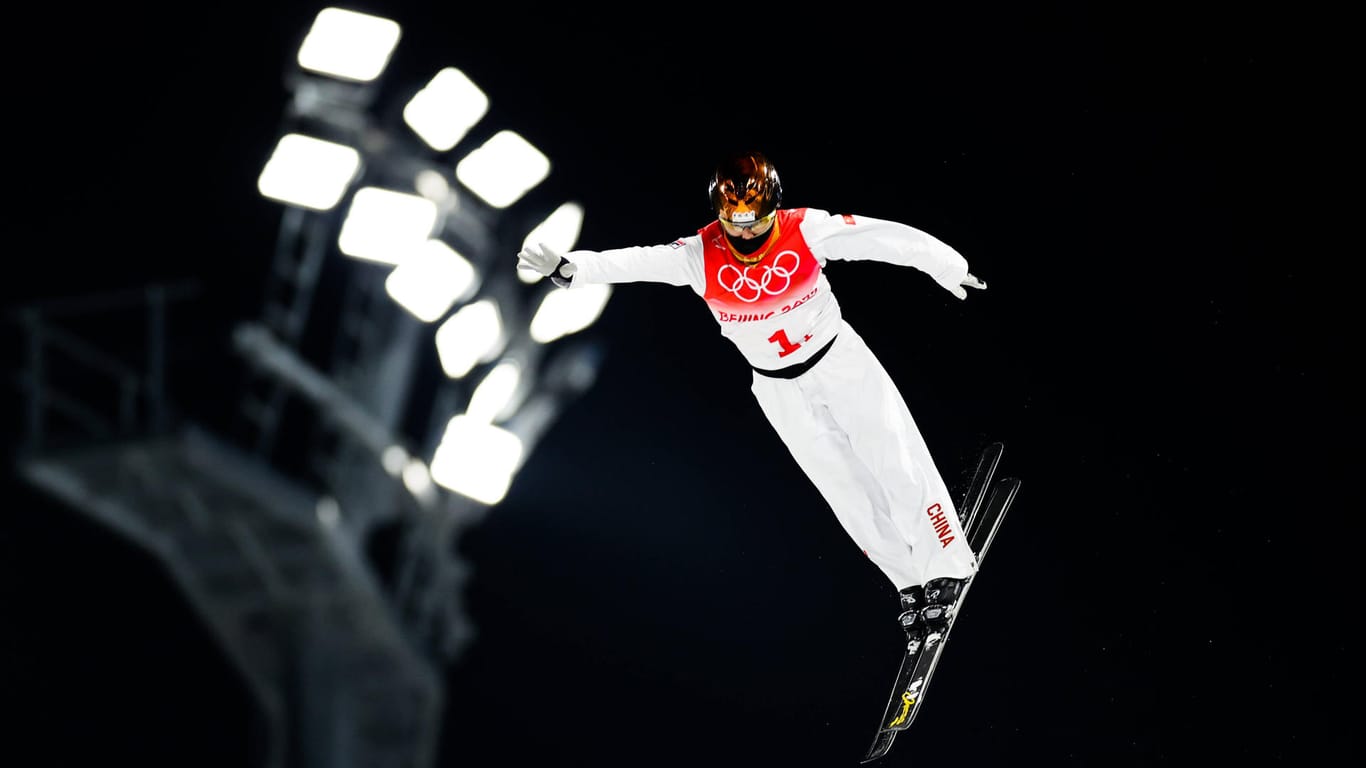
398	376
444	365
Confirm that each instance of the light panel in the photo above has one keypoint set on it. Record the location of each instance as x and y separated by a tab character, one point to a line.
308	172
348	45
563	312
503	169
429	280
386	226
494	393
445	109
476	459
472	335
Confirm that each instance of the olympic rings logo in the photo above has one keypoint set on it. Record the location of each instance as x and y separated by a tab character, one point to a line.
749	289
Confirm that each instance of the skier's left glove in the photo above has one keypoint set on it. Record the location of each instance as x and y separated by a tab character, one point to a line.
545	261
970	281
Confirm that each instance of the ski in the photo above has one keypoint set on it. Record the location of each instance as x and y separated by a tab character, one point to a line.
976	493
983	509
967	515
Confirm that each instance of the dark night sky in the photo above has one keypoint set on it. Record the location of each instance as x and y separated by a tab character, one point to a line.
662	584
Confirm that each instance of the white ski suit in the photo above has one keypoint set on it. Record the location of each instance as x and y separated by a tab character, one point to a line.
825	393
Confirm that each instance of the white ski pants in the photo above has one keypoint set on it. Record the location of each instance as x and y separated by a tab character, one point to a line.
850	431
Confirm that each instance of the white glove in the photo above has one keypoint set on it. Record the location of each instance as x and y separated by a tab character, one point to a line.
545	261
539	259
970	281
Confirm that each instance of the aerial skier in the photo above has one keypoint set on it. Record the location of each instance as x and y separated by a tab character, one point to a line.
759	267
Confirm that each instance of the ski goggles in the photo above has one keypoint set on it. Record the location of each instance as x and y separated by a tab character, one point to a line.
743	221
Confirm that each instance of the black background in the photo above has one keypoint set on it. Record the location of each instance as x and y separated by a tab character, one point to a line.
662	586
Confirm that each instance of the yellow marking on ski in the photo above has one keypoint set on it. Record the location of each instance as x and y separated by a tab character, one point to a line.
906	701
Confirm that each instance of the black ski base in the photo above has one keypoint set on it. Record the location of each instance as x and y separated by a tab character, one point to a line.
983	509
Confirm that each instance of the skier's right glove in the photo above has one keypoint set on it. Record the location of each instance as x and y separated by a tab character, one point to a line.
970	281
544	261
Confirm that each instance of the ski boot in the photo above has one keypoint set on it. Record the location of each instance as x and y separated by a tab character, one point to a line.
941	597
912	603
927	610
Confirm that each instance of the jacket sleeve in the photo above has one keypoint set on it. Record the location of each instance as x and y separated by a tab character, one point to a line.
676	263
850	237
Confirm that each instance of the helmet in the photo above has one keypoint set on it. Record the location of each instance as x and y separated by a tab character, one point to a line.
745	189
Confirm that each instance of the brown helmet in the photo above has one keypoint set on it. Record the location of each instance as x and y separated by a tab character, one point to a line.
745	189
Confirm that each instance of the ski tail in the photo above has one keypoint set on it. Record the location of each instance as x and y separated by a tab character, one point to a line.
977	489
993	512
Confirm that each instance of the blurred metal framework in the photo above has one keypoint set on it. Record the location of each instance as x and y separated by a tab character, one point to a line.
263	520
274	570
